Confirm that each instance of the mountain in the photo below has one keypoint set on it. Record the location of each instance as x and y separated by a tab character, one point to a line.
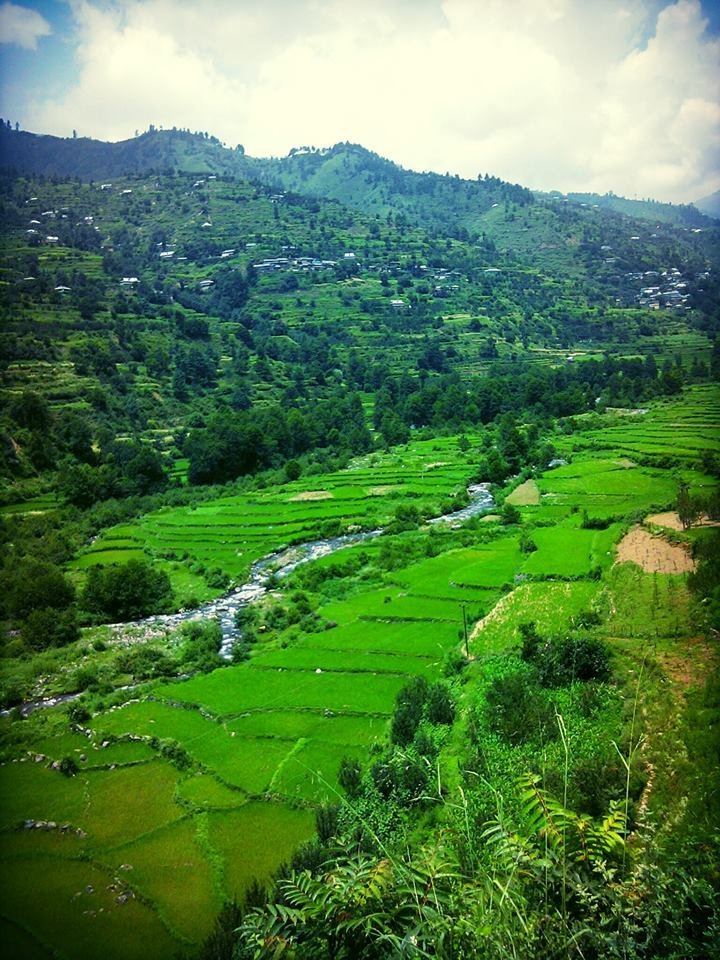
357	177
201	279
549	230
152	151
710	205
683	214
346	172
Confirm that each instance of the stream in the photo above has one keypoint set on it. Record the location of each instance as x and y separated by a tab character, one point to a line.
279	564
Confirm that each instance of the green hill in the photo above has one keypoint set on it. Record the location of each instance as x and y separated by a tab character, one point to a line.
143	303
346	172
710	205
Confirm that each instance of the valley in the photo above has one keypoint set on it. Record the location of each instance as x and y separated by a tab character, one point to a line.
363	524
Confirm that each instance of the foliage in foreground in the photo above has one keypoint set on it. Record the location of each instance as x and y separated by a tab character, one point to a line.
554	884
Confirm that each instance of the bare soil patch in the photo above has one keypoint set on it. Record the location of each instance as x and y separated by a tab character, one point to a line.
312	495
626	463
653	554
526	495
380	491
437	463
672	521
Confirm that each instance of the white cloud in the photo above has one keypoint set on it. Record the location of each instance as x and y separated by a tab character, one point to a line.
22	26
575	94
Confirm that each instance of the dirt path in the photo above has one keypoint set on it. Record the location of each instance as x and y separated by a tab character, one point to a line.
691	666
653	554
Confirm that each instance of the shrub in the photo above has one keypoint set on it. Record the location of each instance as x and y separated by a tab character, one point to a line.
527	544
201	642
510	515
350	776
145	663
440	704
68	767
78	713
595	523
240	651
409	705
562	661
326	821
518	710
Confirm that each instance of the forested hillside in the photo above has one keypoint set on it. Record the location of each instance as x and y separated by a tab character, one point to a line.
346	172
136	305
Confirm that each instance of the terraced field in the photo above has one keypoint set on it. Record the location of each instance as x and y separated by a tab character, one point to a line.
679	428
229	534
139	842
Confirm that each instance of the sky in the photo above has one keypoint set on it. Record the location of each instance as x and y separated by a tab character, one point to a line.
575	95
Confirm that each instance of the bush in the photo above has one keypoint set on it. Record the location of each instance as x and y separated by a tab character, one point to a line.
145	663
175	754
453	664
68	767
510	515
326	821
50	628
409	705
561	662
350	776
595	523
240	651
78	713
83	678
201	645
527	544
440	704
518	710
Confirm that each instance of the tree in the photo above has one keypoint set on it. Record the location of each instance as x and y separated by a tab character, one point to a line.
145	470
31	410
82	485
50	628
393	430
510	514
35	585
127	592
687	508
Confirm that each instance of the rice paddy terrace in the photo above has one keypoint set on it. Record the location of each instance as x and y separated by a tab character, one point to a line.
230	533
139	848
